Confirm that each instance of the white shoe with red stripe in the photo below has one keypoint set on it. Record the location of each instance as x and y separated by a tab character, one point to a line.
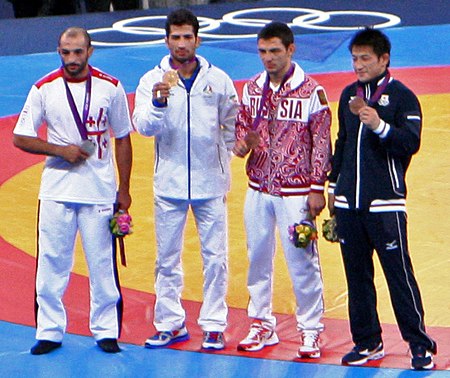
309	345
258	337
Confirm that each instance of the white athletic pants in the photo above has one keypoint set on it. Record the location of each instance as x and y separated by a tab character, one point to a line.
263	214
211	221
58	226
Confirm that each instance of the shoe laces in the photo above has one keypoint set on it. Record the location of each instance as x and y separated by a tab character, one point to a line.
257	330
212	336
310	338
365	349
419	351
163	334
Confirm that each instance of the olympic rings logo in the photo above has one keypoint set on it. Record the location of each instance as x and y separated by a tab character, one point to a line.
313	19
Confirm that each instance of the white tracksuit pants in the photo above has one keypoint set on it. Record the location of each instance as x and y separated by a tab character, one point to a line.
211	221
263	214
58	226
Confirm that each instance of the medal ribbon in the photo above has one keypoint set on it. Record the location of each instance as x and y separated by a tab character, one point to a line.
266	89
81	123
376	96
193	59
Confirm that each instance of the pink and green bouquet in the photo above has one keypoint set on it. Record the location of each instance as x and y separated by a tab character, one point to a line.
121	224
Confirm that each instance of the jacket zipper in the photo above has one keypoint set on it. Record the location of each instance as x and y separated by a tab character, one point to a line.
188	94
358	157
358	166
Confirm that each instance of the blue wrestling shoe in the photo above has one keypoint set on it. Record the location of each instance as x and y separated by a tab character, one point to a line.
165	338
213	340
360	354
422	359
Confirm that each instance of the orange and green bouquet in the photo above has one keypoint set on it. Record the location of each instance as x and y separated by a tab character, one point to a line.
301	234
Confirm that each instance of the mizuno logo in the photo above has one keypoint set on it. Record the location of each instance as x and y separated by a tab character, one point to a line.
392	245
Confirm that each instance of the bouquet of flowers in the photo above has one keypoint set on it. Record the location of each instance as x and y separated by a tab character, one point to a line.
302	233
329	230
121	224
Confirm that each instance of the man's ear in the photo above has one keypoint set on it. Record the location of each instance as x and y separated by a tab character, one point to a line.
291	49
385	58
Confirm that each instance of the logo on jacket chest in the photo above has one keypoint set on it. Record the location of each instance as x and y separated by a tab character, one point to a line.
287	109
384	100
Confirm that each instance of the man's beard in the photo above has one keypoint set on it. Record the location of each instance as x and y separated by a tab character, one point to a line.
77	71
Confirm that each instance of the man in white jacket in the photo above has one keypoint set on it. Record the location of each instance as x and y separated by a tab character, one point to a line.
189	106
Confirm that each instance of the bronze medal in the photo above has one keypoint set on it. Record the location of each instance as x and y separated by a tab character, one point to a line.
252	139
356	104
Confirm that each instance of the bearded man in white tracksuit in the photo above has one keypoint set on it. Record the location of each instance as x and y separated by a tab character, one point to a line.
189	106
81	106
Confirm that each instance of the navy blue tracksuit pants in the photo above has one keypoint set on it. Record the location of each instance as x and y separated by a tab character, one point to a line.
360	233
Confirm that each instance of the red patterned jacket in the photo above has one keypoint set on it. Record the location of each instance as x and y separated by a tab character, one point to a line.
293	155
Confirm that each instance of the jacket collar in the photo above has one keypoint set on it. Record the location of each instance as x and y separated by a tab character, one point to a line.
375	82
165	63
297	78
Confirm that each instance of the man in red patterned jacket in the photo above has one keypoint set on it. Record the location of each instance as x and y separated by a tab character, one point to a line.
284	123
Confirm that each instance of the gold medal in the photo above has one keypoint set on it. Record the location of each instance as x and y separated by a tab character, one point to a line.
356	104
170	77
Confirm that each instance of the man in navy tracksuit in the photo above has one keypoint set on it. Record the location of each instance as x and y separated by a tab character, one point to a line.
379	130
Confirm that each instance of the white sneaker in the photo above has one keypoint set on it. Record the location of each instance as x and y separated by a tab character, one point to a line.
213	340
258	337
166	338
309	345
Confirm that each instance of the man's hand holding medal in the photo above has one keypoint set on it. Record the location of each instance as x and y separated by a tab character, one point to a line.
161	90
88	146
251	141
366	113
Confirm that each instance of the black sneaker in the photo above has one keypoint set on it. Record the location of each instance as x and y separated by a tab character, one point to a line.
360	354
44	347
422	359
109	345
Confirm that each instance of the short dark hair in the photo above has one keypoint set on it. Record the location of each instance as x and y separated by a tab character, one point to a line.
371	37
75	31
182	17
277	30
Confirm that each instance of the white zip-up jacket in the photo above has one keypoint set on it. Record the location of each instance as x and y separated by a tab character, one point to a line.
194	133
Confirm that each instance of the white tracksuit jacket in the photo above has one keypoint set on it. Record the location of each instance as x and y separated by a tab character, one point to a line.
193	134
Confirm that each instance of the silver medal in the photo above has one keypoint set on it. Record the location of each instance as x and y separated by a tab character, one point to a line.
88	146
